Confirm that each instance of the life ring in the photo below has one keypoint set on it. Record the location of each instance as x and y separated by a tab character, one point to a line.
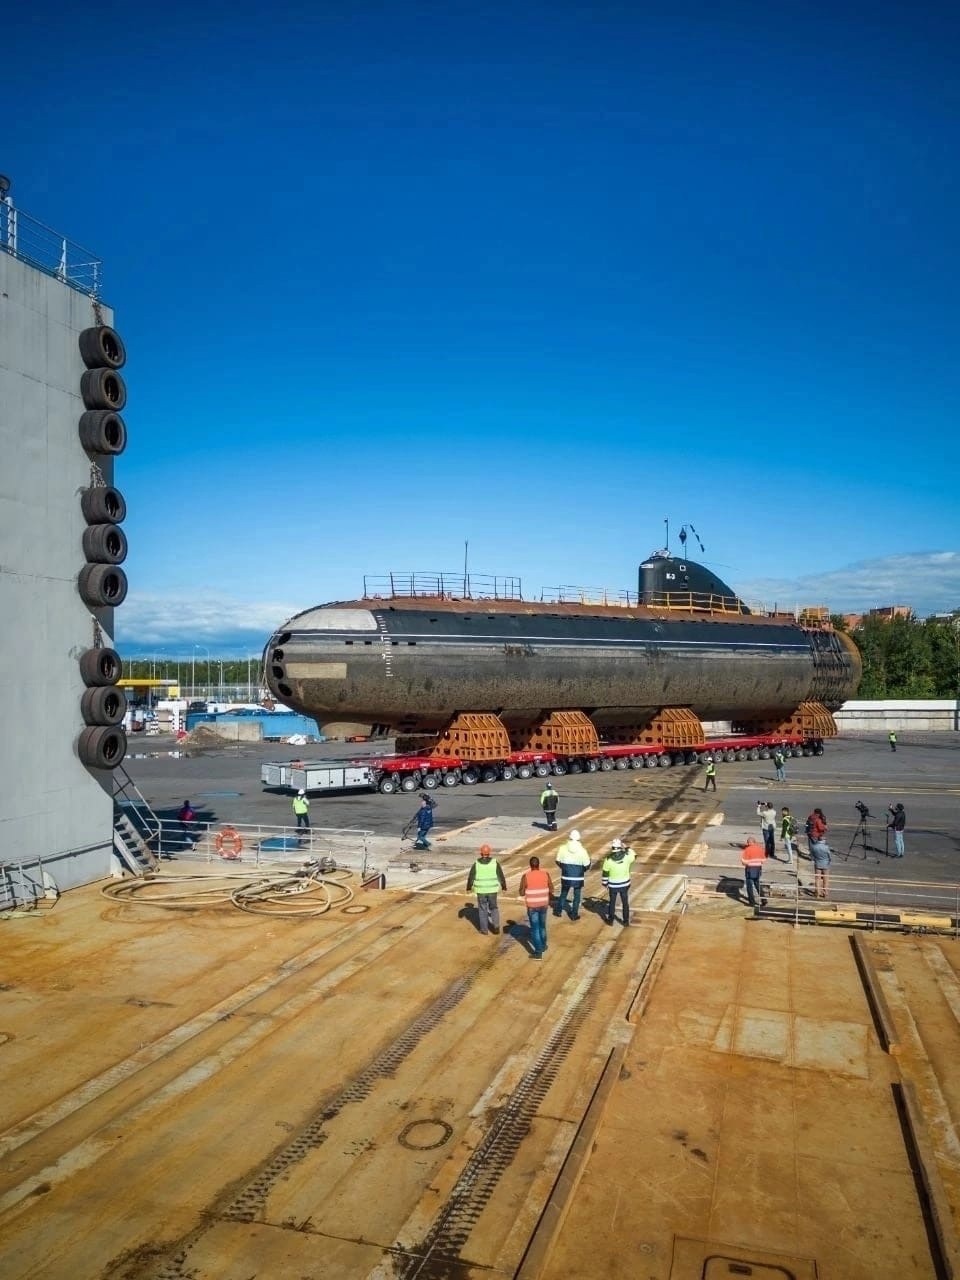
229	843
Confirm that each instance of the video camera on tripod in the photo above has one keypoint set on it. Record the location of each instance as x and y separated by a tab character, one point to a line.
862	833
862	809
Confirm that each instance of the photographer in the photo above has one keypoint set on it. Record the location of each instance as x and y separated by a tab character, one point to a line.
897	824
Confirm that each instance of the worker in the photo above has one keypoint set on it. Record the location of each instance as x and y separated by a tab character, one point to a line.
820	853
897	824
778	763
616	878
301	807
486	879
536	889
574	863
711	778
788	831
548	803
816	828
424	821
186	817
753	856
768	827
892	739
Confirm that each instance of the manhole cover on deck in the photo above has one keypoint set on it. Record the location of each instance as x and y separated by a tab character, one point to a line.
706	1260
425	1135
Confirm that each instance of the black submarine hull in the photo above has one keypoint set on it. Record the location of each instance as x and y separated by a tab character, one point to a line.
373	664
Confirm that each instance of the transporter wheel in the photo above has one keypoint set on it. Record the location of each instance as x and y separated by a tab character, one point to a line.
796	751
507	773
636	762
103	389
764	753
102	348
741	754
430	781
649	762
470	777
592	766
102	746
104	544
621	762
559	768
808	751
103	704
525	771
754	753
665	761
489	774
451	779
606	765
102	431
103	505
575	767
409	782
729	756
387	785
100	667
102	585
542	770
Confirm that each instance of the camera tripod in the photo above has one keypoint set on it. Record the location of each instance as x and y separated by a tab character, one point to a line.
862	834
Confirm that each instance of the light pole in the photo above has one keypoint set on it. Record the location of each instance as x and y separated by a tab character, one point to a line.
207	652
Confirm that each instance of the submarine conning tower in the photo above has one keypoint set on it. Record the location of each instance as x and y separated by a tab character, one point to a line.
669	582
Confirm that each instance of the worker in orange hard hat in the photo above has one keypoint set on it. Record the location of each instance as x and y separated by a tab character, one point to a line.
486	879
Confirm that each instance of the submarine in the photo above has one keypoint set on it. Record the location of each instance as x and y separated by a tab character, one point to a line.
456	659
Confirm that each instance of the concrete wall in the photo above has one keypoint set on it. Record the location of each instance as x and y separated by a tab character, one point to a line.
899	714
51	807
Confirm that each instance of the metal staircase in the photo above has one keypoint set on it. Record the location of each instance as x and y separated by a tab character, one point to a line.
136	828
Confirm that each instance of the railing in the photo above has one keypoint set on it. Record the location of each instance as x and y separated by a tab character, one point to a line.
925	906
25	238
261	844
445	586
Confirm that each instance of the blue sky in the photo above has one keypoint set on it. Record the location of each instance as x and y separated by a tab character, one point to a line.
396	276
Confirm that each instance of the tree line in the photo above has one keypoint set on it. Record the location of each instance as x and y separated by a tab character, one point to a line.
908	657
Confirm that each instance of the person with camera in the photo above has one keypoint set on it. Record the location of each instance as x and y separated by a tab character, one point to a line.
897	824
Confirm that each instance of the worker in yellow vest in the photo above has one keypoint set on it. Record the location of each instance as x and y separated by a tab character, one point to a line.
615	875
536	889
486	879
301	807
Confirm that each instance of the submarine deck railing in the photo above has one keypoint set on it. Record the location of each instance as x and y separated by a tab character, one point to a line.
25	238
871	901
459	586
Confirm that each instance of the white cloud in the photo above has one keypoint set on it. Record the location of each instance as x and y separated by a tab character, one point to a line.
178	622
927	581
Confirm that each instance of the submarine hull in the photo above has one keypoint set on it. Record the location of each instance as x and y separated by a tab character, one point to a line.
413	668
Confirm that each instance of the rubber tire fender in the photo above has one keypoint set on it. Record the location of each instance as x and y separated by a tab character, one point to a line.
103	431
104	544
103	704
103	389
103	505
102	585
102	746
100	667
102	348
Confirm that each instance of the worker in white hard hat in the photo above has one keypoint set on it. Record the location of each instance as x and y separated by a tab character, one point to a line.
616	878
301	807
574	863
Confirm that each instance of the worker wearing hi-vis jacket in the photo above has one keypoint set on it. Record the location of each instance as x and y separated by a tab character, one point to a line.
616	878
486	879
301	807
574	863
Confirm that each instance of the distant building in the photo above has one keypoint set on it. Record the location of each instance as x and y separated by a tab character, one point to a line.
886	613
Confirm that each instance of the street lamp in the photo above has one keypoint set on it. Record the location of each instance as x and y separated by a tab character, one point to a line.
193	680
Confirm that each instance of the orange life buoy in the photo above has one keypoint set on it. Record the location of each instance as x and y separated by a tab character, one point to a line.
229	843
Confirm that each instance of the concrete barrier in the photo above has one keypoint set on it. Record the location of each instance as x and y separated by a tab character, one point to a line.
902	715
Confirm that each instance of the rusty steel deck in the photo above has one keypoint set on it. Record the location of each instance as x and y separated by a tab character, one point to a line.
386	1093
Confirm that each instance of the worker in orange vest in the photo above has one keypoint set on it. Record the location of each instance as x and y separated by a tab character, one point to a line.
536	889
753	857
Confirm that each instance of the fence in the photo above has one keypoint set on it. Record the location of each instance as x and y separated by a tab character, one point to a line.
262	844
928	906
30	241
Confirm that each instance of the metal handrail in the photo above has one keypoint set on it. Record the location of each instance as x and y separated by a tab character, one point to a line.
283	843
31	241
932	905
